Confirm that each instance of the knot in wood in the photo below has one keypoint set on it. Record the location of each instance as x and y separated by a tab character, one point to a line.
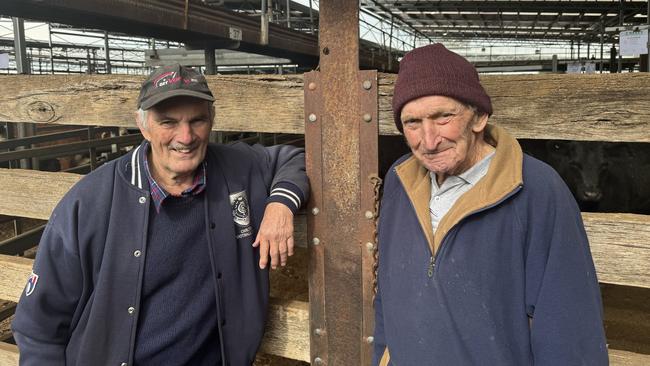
40	111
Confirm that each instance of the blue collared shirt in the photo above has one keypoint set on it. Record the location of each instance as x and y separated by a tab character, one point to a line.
444	197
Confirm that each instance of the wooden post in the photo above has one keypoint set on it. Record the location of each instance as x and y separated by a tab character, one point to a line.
341	139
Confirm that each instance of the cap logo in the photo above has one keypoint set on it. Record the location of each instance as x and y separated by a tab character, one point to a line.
169	78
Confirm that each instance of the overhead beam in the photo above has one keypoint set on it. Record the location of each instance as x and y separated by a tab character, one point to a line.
203	26
166	20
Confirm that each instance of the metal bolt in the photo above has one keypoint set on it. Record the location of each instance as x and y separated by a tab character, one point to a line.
318	331
367	117
312	117
315	241
312	86
369	215
367	84
318	361
315	211
370	246
370	339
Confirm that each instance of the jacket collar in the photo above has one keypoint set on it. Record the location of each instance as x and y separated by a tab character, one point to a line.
503	177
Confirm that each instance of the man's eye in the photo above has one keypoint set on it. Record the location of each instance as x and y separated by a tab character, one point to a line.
445	118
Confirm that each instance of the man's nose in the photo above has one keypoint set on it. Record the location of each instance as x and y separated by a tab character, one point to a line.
184	133
430	135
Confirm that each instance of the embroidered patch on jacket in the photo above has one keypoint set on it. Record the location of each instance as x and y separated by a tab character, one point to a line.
31	284
241	215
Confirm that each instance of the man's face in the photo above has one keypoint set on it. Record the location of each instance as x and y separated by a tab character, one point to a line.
442	134
178	130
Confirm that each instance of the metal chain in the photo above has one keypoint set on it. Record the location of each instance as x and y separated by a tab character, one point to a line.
376	183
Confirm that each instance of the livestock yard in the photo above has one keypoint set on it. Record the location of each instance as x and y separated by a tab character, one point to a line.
321	75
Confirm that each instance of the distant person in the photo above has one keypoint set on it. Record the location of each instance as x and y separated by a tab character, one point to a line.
161	256
483	257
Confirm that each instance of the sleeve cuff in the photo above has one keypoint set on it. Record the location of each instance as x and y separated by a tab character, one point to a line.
288	194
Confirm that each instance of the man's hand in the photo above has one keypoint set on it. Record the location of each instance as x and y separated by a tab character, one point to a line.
275	237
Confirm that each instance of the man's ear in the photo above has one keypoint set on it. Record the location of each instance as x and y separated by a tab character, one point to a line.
479	123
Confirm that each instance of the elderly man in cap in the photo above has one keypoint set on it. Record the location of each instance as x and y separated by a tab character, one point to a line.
483	257
160	257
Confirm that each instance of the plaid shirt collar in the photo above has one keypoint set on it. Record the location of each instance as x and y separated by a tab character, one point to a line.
158	194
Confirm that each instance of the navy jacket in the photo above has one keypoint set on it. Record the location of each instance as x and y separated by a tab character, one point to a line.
507	279
83	309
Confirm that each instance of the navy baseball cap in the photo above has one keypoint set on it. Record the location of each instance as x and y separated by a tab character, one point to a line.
170	81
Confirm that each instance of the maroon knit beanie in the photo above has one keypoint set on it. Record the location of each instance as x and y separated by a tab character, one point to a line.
434	70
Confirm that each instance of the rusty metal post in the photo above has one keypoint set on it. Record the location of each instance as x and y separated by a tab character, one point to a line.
341	142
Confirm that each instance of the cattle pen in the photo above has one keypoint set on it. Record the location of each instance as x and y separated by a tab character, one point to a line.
342	111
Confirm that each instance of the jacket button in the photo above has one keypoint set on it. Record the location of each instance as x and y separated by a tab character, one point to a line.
142	199
212	225
137	253
219	275
124	364
131	310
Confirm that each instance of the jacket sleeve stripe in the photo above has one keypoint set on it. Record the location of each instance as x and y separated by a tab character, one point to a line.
288	194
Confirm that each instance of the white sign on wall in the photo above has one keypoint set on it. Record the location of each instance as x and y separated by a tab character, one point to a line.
235	33
4	60
633	42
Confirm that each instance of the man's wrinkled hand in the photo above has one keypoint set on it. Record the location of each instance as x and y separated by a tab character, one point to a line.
275	236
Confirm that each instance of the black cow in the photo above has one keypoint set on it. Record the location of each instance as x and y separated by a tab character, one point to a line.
603	176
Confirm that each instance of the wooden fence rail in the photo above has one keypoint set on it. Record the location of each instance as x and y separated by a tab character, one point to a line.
620	243
287	333
601	107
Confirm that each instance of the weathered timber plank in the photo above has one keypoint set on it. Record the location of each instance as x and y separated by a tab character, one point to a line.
620	245
625	358
287	331
15	271
244	103
33	194
602	107
8	354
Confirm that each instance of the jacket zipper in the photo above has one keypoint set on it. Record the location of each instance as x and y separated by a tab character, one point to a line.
433	258
432	264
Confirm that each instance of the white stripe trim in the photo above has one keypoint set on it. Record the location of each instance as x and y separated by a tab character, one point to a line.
287	196
139	174
295	196
133	158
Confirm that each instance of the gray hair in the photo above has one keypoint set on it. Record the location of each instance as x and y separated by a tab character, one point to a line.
142	117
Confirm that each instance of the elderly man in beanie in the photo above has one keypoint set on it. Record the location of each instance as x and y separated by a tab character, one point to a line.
160	257
483	257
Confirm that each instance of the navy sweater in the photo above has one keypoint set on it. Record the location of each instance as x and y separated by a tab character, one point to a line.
178	318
